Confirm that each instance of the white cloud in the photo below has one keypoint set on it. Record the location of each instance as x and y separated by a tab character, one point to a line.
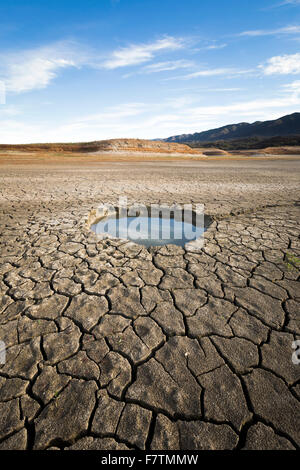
223	72
213	90
282	65
140	53
216	46
166	66
36	73
36	68
271	32
288	2
211	47
209	73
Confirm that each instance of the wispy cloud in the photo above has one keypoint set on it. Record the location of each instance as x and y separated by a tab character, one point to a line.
36	68
213	90
271	32
282	65
209	73
214	72
139	53
287	3
167	66
216	46
211	47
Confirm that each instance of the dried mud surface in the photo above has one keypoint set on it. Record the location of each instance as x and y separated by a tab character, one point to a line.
113	346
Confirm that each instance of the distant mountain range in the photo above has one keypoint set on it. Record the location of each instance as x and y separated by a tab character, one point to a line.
286	126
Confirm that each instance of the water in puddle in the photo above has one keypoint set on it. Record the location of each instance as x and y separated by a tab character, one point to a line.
150	231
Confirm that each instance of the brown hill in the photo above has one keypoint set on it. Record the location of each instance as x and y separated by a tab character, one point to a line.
103	146
285	126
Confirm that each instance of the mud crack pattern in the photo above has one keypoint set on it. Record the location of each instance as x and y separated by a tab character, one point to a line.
113	346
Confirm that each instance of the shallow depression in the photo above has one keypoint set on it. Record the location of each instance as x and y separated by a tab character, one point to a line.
176	229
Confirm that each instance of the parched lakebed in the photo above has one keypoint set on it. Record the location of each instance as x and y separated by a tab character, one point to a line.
113	345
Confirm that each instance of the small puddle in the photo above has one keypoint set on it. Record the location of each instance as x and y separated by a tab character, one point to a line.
175	229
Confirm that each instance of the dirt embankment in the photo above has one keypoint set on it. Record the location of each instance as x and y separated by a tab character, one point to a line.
282	150
113	145
129	150
140	145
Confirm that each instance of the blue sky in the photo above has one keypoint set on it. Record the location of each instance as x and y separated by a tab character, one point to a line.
74	70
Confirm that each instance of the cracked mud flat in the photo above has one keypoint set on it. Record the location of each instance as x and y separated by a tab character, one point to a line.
111	346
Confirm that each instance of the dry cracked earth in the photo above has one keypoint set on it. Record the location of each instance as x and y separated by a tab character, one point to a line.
113	346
